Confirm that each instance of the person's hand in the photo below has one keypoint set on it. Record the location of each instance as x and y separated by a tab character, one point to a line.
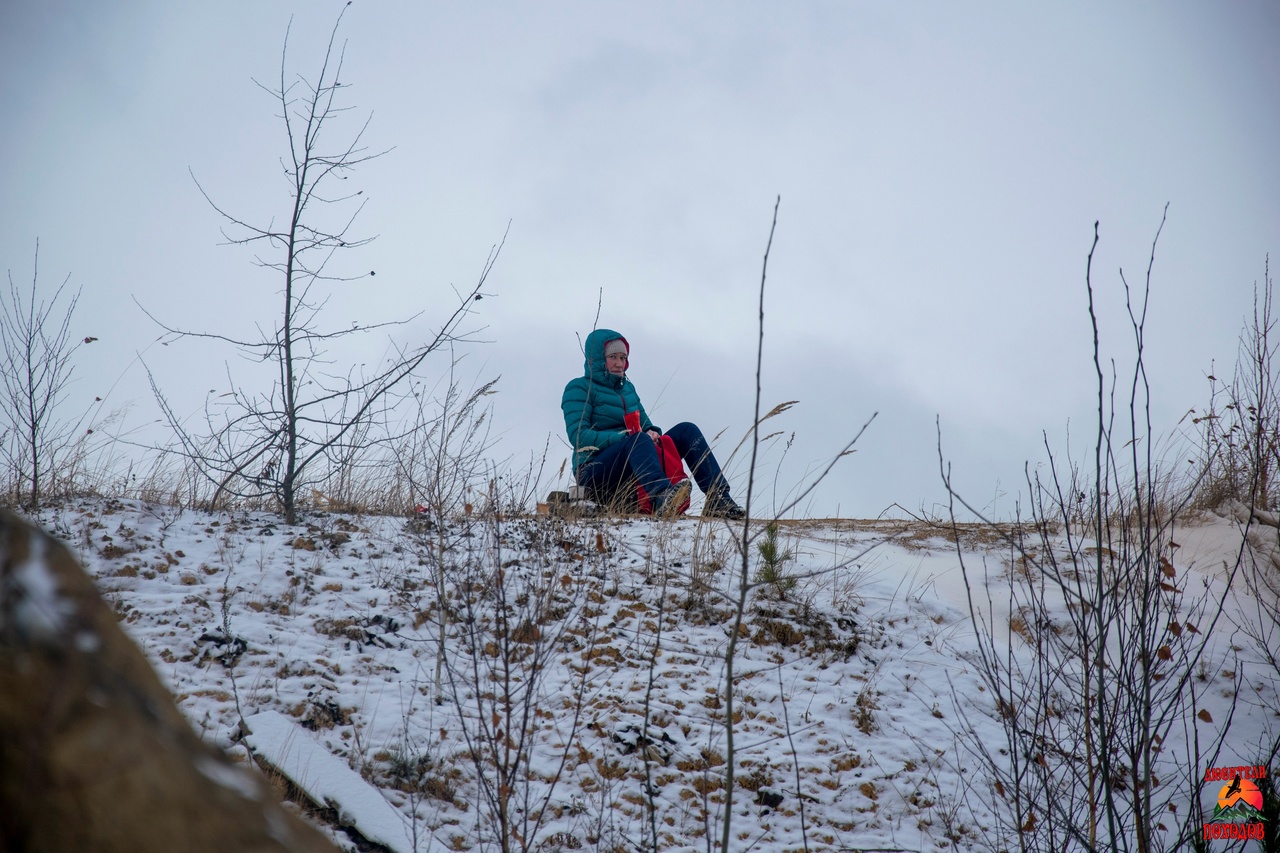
655	435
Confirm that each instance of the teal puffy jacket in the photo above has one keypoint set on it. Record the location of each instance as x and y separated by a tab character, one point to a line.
596	403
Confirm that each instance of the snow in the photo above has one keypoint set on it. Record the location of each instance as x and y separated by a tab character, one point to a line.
858	698
37	606
326	779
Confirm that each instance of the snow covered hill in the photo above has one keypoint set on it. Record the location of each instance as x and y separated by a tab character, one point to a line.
561	684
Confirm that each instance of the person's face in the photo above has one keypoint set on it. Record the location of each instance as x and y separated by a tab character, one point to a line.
616	363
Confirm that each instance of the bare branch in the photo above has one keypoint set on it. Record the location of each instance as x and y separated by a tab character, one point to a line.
315	416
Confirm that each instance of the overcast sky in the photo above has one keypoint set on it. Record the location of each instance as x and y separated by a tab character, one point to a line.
940	165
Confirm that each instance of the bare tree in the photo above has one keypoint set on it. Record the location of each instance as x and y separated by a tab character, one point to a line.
37	348
771	576
1113	639
1240	443
1239	431
277	443
513	619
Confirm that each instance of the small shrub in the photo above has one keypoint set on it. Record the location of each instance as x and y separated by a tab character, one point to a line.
772	574
863	710
777	631
416	773
113	551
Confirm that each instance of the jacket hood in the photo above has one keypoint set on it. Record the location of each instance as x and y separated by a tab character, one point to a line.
593	351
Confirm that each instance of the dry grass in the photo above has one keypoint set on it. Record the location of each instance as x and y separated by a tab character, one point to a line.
920	534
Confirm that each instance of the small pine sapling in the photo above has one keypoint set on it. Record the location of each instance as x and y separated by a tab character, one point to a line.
772	574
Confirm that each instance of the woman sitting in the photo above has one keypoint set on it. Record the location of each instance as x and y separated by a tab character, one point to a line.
615	443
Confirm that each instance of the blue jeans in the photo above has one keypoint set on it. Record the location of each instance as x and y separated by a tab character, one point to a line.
636	457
